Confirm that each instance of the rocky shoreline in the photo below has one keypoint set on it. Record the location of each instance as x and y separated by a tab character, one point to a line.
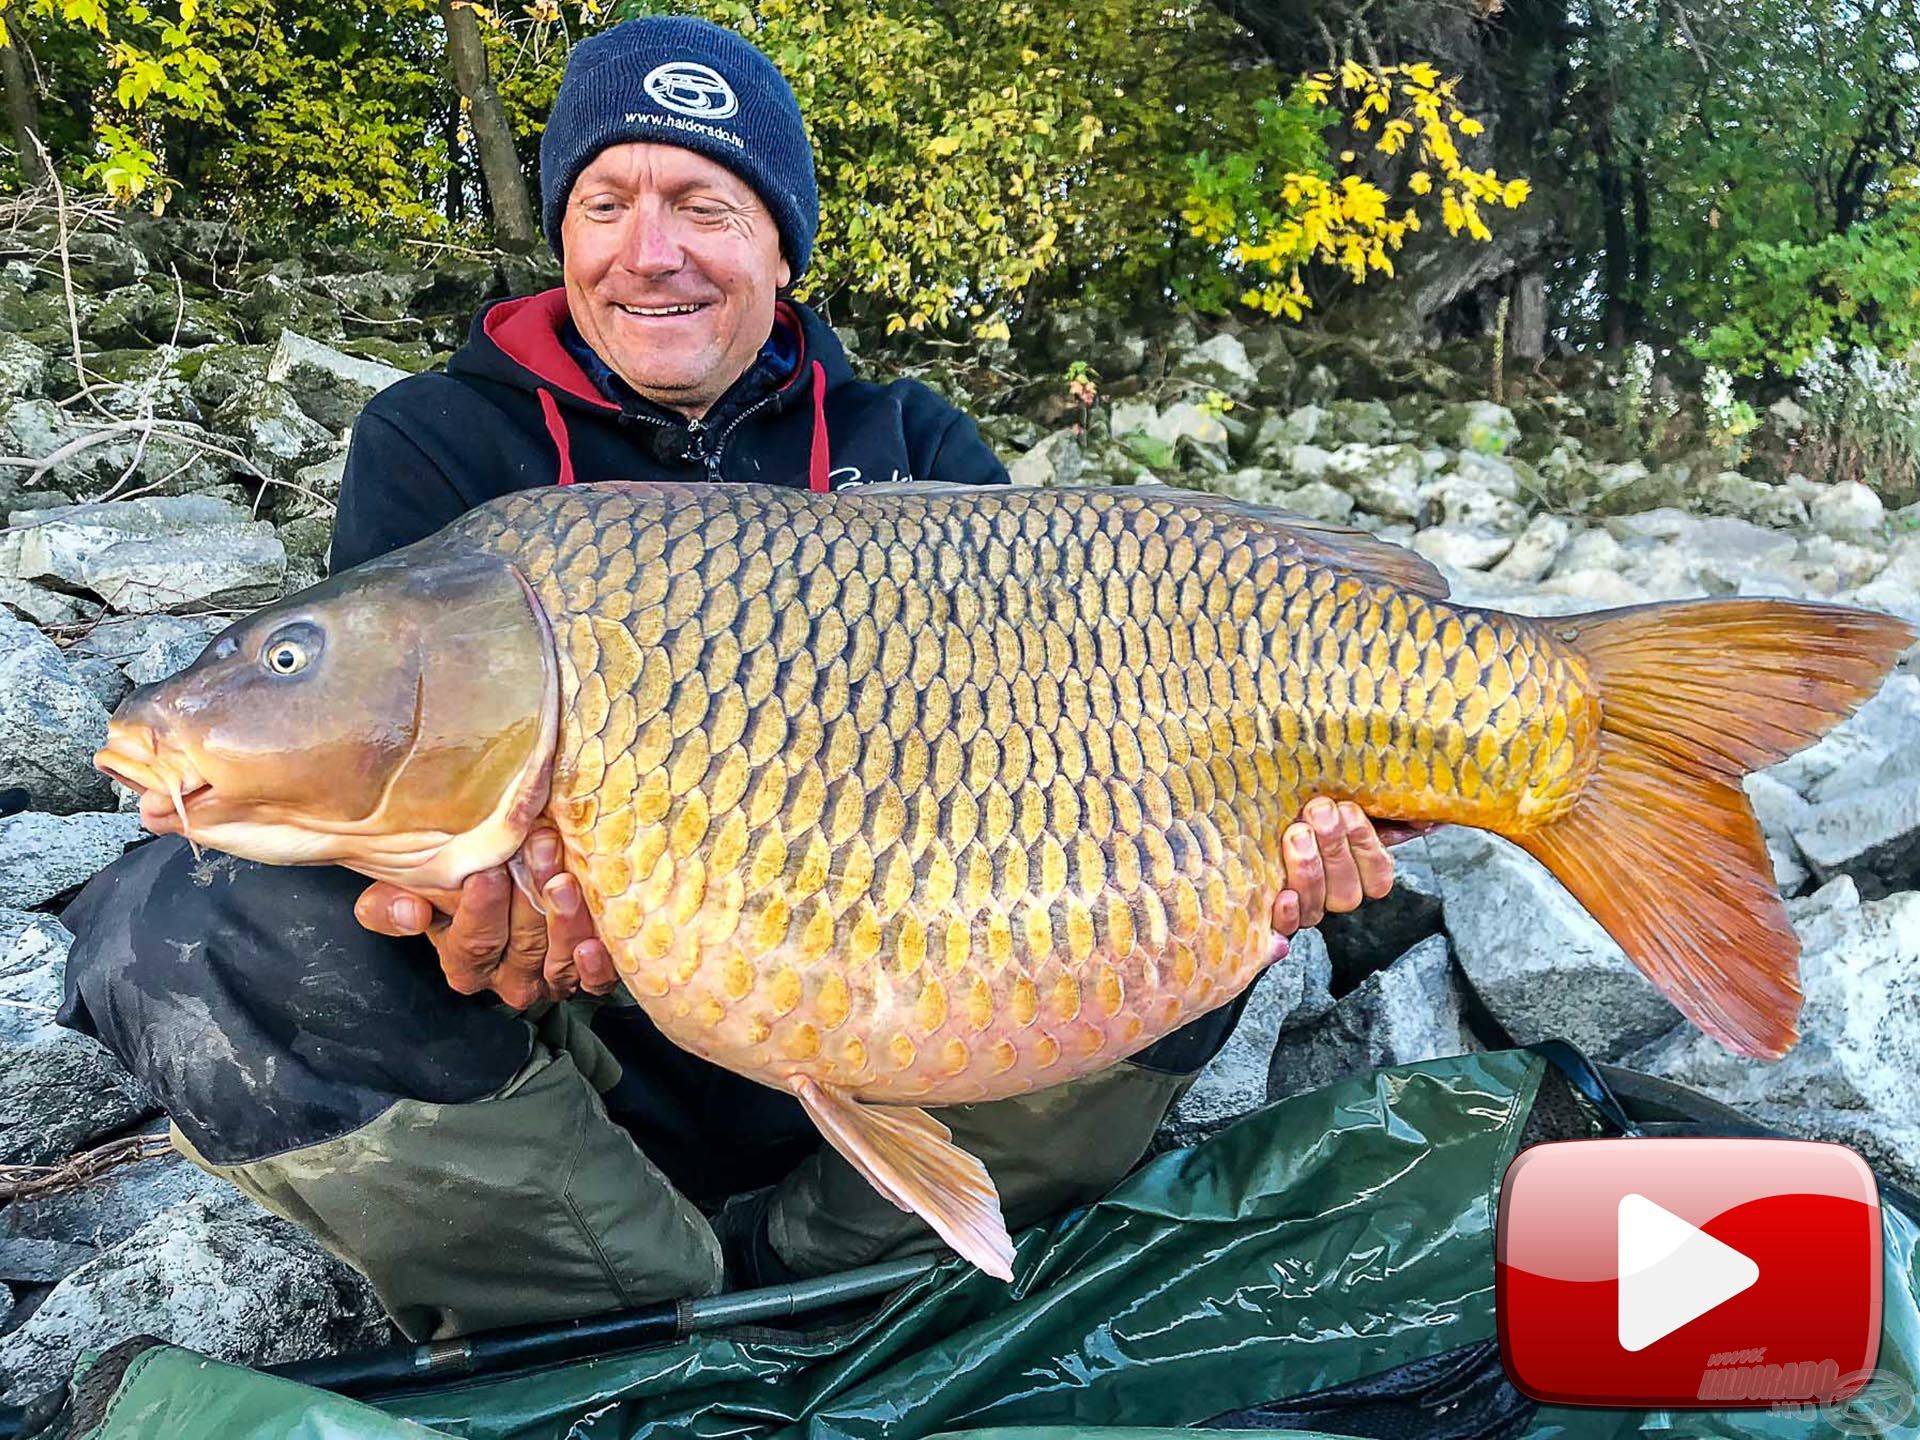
182	472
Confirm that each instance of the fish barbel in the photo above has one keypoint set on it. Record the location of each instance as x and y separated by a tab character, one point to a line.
916	795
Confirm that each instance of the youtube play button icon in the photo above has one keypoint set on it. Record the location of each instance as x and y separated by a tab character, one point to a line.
1688	1273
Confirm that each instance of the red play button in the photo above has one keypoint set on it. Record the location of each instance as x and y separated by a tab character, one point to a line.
1704	1273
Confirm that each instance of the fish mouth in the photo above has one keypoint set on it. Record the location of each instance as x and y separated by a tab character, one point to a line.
173	793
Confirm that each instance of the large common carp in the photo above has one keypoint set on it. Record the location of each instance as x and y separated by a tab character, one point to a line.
915	795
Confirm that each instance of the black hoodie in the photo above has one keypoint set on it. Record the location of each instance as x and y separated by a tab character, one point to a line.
514	409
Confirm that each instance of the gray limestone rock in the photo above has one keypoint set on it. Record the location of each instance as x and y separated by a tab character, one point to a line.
1542	966
1407	1012
50	724
1383	480
23	368
1219	363
170	458
1455	549
1847	511
59	1091
1478	426
42	855
219	1276
329	385
41	605
1536	550
110	1207
1056	460
142	556
107	681
276	434
1234	1083
1372	937
1854	1077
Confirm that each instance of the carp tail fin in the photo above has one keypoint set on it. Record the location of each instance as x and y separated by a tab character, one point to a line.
910	1157
1693	695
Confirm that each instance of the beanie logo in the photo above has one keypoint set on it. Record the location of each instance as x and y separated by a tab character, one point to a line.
689	88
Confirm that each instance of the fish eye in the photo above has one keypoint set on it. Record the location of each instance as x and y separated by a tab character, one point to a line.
291	651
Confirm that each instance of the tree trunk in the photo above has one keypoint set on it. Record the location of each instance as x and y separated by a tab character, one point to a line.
1527	325
513	222
23	110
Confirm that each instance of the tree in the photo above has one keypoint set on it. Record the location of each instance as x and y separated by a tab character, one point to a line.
513	221
23	109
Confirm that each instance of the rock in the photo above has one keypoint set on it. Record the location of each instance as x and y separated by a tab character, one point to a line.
1317	500
1368	939
102	261
129	316
1591	549
1854	1078
1533	554
1477	426
1186	420
1542	966
1383	480
1407	1012
1465	502
140	556
23	368
42	855
41	1262
1235	1081
1848	511
1056	460
149	382
40	605
59	1091
107	681
223	371
277	435
218	1276
1731	493
1878	742
1791	417
328	385
166	656
1219	363
1871	835
277	303
110	1207
50	725
1826	566
1896	589
1454	549
1277	433
172	458
1363	422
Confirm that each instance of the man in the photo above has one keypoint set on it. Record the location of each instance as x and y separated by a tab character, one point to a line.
442	1099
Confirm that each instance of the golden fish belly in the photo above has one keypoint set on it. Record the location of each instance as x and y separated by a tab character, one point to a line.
966	794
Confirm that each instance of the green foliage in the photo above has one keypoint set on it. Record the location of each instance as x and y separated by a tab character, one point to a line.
1787	297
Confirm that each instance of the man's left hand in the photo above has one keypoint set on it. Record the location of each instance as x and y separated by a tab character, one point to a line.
1334	860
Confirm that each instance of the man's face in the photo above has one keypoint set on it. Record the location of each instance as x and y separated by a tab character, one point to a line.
671	264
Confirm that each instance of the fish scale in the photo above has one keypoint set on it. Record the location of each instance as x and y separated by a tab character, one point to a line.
962	795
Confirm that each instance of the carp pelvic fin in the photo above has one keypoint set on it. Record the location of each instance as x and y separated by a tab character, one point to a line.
1693	695
910	1157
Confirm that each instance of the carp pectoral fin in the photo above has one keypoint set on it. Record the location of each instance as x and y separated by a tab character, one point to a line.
910	1157
1662	847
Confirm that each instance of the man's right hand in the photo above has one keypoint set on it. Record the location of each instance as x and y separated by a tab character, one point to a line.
495	939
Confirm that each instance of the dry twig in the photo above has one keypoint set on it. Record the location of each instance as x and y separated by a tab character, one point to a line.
34	1182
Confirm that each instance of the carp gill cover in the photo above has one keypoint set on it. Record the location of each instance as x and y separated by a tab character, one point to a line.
914	795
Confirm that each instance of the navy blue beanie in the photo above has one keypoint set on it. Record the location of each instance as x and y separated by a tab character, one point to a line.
679	81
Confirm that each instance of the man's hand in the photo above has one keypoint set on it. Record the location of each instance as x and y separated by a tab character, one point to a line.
495	939
1334	860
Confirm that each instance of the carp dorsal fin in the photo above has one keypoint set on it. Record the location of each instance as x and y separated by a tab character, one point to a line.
1326	542
1323	542
910	1157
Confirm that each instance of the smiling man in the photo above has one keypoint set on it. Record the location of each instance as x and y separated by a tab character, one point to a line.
467	1107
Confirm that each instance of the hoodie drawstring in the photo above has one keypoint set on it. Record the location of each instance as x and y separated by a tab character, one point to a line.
557	428
820	460
820	473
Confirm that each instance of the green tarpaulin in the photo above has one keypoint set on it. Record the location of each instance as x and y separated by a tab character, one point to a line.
1327	1241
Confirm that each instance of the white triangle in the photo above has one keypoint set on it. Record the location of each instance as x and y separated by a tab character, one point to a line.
1671	1272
